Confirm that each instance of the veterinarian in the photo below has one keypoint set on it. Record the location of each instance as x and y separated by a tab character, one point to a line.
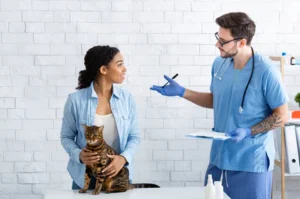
249	100
99	101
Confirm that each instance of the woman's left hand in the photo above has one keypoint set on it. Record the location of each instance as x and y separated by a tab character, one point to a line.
115	166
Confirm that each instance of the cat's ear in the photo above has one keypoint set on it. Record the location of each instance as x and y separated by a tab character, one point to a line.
101	128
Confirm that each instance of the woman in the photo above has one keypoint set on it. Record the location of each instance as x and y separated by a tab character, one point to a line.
99	102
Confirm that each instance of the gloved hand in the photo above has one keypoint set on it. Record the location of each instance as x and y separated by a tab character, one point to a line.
173	89
239	134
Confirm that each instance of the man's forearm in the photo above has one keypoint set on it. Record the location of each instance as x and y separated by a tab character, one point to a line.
273	121
201	99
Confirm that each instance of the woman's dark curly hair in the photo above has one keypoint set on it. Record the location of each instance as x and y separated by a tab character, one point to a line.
95	57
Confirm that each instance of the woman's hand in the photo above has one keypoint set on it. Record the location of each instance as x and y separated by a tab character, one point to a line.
88	158
115	166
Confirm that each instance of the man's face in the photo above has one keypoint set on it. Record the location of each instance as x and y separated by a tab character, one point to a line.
230	44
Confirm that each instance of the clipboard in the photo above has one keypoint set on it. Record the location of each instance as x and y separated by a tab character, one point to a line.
209	135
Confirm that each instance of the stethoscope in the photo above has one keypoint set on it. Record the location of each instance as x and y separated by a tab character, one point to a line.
220	78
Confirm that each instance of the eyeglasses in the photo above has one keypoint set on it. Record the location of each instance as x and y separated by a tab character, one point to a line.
225	42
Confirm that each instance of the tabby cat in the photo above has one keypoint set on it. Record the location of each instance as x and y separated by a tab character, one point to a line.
119	183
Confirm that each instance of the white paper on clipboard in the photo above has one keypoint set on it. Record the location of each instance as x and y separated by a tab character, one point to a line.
209	135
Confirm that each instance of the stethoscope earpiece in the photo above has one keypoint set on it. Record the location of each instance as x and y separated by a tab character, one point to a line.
215	75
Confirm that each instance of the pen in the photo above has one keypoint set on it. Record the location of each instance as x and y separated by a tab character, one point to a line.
172	78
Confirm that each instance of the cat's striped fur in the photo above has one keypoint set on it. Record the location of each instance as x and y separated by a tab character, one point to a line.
119	183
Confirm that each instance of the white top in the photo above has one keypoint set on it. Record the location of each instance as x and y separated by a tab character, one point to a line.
110	132
147	193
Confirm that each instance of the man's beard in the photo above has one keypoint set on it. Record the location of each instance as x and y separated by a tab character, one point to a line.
229	55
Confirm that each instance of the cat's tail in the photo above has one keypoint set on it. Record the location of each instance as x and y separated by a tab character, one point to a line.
143	185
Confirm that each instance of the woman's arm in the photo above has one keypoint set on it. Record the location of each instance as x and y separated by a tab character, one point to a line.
69	131
134	134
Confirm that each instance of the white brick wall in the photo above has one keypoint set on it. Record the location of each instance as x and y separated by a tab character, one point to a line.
42	48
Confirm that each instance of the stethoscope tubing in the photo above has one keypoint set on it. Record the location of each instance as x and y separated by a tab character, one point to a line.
252	70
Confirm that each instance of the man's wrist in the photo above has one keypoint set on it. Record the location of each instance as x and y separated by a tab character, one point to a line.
182	91
249	131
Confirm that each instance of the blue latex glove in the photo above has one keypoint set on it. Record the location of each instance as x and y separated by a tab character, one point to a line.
173	89
239	134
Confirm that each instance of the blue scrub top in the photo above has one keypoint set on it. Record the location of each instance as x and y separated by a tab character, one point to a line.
265	93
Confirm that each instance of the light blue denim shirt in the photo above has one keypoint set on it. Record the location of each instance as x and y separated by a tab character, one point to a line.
80	108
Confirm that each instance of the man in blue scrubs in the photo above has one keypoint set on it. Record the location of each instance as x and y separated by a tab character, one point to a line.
249	100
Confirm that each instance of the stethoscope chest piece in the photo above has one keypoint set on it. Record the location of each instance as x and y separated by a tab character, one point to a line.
241	110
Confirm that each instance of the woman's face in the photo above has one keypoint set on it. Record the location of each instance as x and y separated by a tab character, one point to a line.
115	72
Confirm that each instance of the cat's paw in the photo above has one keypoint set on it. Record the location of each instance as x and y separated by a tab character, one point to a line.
95	192
82	191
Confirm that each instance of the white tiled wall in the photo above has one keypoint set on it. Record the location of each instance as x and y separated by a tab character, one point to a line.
42	47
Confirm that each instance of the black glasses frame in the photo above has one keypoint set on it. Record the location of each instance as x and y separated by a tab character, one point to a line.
225	42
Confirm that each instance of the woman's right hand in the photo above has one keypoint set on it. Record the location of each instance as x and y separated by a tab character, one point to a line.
88	157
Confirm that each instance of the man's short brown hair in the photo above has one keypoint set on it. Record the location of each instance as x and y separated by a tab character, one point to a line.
239	24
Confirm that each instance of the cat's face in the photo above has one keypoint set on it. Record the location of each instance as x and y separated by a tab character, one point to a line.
93	135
